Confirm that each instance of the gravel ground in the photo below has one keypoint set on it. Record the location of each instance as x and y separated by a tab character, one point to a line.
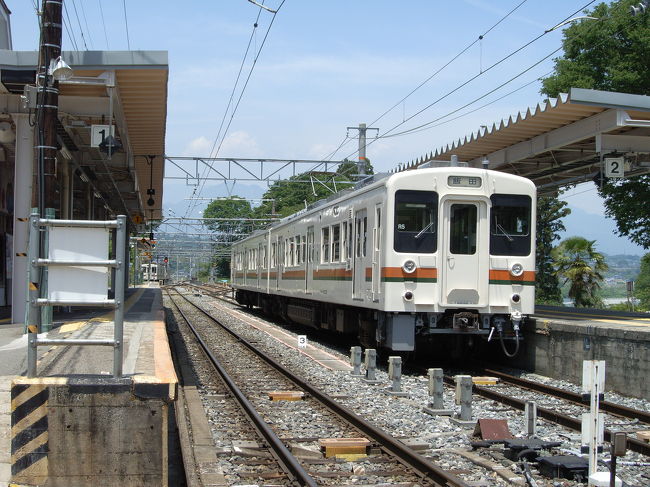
446	442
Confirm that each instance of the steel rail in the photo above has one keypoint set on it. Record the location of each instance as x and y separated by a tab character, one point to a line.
607	406
550	415
408	457
286	458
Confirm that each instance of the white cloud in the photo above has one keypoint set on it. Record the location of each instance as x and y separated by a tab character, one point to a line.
240	144
199	147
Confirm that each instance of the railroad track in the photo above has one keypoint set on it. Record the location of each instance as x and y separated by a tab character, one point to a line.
605	406
390	461
552	415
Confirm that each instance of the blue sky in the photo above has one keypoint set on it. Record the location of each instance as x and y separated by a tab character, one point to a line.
327	65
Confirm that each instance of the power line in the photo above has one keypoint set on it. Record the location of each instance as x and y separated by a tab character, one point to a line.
473	110
466	82
241	94
68	28
439	70
81	31
126	25
192	205
101	10
83	12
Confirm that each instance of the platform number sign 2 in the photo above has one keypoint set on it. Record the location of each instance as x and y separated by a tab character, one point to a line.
302	341
614	167
98	134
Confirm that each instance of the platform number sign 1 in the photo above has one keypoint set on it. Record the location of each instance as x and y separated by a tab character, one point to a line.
98	134
614	167
302	341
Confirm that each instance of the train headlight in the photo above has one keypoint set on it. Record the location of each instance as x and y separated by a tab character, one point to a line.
517	269
408	296
409	266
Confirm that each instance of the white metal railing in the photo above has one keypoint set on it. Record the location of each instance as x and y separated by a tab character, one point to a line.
36	300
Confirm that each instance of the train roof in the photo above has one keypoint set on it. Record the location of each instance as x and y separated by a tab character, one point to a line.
373	181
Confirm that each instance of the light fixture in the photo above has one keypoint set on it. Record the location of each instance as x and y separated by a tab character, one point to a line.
409	266
517	269
151	191
60	70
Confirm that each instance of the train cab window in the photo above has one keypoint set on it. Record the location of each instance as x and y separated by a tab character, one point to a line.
510	224
463	227
336	243
416	221
325	240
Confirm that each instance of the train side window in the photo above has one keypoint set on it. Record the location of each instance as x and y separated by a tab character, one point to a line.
344	242
336	243
510	224
274	249
303	244
350	241
325	240
416	221
365	235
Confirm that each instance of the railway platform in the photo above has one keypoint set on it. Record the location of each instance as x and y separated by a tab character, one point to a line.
75	424
559	339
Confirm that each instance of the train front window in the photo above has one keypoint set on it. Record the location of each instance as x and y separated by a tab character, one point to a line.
510	224
416	221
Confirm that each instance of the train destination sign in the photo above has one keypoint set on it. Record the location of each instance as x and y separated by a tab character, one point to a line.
464	181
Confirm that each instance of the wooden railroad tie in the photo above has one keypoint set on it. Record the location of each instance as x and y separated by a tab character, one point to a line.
344	446
286	395
485	381
643	435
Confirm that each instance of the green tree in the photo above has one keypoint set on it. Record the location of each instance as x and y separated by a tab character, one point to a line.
550	211
234	210
642	284
612	54
579	263
290	196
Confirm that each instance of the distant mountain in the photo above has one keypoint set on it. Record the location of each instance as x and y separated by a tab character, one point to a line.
602	230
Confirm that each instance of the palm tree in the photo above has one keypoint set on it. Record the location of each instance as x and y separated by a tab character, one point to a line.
579	263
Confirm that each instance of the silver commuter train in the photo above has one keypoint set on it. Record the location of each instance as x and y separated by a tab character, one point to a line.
412	255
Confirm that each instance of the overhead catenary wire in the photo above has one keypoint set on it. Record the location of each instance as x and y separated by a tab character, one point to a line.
83	13
101	11
68	27
81	31
192	205
126	26
241	94
466	82
442	68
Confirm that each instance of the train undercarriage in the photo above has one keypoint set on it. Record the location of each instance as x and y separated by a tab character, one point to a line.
455	329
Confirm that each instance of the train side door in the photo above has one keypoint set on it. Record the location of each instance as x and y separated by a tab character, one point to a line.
278	260
360	252
464	280
309	259
376	254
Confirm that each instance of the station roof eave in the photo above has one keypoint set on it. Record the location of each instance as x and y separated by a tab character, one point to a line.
130	86
562	140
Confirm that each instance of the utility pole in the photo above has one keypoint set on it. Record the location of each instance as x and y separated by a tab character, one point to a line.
48	104
361	164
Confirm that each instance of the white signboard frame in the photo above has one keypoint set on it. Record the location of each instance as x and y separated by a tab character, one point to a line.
72	283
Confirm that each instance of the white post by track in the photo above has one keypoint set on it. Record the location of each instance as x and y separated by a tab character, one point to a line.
593	388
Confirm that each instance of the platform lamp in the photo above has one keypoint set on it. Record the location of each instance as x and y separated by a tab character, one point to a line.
151	191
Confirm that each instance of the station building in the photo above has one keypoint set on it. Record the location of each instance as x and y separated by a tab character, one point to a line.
126	90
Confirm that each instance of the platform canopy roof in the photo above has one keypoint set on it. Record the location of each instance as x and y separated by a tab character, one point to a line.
562	140
127	89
